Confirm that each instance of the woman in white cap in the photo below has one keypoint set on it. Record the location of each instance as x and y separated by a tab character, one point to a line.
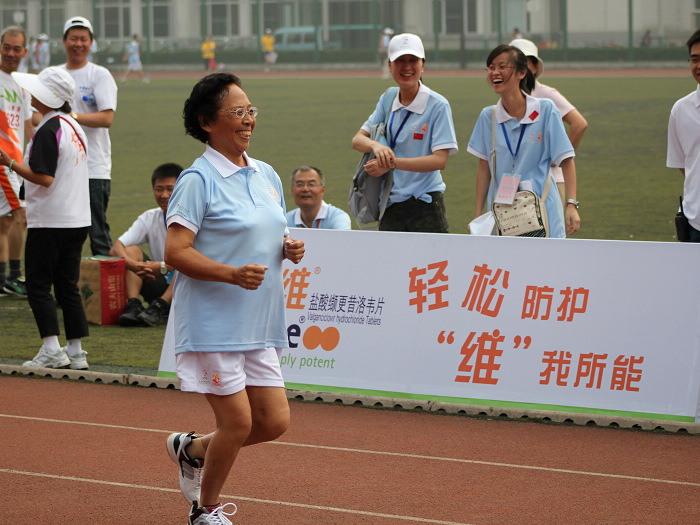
420	136
571	116
528	137
58	216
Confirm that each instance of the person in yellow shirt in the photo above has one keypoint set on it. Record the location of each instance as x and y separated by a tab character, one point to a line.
208	47
268	47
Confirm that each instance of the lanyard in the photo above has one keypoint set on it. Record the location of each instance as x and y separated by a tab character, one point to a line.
520	139
392	141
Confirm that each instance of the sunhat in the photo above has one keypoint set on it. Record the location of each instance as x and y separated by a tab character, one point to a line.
52	87
529	49
405	44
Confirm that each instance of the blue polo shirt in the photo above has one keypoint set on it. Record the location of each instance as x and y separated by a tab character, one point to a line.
544	142
328	218
428	128
238	218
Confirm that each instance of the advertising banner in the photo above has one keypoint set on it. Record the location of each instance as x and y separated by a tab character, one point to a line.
551	324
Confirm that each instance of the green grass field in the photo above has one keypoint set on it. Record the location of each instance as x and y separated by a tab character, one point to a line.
626	191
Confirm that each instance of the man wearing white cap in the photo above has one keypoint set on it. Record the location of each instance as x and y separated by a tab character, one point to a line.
420	136
570	115
58	216
93	108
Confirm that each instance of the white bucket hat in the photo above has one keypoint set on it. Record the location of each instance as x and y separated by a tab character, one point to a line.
52	87
406	44
529	49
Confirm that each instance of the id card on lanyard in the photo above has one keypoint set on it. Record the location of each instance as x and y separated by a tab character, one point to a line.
508	186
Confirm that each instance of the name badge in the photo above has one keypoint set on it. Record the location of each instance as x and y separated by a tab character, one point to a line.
507	188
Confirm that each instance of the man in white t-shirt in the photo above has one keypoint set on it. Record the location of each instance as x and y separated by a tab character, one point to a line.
15	104
93	107
684	142
147	276
570	115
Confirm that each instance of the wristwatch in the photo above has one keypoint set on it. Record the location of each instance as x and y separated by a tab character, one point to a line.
74	115
572	201
163	268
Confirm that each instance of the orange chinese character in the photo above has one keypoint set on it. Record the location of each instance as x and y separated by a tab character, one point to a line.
556	362
437	291
474	300
624	373
591	366
296	285
571	304
485	365
534	296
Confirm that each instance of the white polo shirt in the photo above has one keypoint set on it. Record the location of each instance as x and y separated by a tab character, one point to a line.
149	228
684	151
428	128
237	215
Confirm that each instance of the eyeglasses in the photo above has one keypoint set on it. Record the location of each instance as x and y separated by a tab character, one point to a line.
300	184
694	60
240	113
500	69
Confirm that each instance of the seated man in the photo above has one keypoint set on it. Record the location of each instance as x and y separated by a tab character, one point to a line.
146	277
308	187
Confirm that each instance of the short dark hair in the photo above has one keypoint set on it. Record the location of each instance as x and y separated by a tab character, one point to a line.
165	171
519	61
204	102
693	40
303	169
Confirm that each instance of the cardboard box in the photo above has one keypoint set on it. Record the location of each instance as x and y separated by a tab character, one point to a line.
102	287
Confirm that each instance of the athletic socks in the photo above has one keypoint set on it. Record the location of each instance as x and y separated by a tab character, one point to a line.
15	269
51	344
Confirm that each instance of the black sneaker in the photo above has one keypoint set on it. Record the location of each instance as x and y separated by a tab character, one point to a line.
130	317
15	287
155	313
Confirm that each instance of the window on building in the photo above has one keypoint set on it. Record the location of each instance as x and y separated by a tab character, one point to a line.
457	16
223	18
112	19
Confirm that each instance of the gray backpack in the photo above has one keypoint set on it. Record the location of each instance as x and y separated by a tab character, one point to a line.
369	195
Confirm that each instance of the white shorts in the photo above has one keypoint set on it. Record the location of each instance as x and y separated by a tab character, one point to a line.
226	373
15	184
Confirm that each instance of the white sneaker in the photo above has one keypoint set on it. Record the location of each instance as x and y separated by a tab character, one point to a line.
45	359
211	516
190	470
78	361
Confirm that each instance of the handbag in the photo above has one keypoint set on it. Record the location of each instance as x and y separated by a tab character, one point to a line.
682	224
527	216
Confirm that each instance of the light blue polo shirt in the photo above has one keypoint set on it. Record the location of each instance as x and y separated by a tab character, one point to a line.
429	128
238	218
544	142
328	217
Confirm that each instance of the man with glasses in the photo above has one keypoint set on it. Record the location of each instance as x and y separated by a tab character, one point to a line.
15	127
308	188
684	143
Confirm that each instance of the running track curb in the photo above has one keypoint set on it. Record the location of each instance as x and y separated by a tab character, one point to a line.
377	402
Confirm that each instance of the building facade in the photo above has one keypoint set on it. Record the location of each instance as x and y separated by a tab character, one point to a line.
182	24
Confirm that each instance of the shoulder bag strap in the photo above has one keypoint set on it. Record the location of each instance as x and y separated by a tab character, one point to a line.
493	152
76	131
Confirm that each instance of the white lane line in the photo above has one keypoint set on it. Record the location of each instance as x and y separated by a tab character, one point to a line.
234	497
391	454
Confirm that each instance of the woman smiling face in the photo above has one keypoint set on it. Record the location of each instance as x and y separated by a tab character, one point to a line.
502	74
407	71
228	134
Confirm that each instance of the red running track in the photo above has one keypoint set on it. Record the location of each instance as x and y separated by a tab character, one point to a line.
77	452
